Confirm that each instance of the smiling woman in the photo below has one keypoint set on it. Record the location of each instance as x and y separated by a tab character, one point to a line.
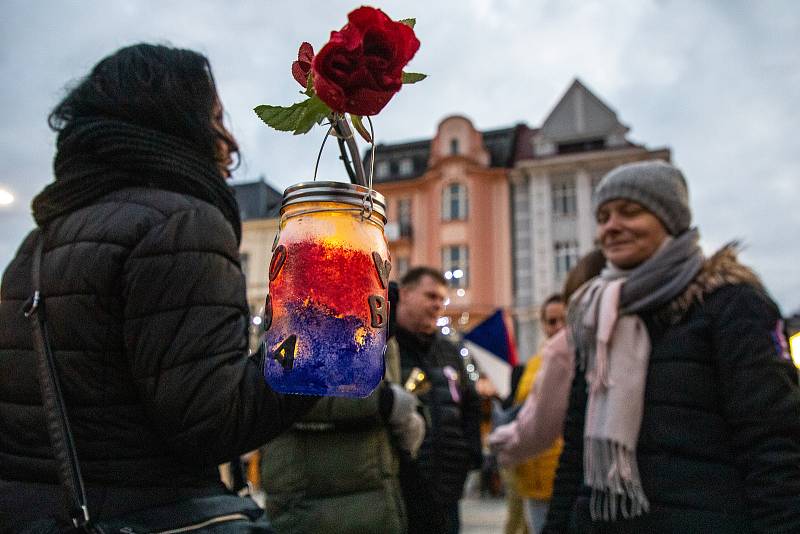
6	198
659	328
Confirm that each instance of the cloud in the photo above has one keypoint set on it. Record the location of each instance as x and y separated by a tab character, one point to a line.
714	81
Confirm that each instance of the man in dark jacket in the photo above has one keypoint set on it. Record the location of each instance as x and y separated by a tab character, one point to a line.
433	483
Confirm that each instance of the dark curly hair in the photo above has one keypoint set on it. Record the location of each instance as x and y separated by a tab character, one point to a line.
171	90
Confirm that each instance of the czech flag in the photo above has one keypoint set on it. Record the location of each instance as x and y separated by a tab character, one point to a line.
491	344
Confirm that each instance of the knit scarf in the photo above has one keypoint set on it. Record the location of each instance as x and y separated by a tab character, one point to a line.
97	156
613	350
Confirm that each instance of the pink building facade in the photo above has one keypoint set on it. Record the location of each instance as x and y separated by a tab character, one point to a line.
448	207
509	211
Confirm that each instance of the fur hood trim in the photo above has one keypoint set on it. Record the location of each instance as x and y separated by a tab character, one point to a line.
720	269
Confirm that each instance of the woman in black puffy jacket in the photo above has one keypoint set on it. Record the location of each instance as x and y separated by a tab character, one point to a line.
684	414
144	297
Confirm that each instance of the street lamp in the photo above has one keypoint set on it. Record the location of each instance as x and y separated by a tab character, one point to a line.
794	348
6	198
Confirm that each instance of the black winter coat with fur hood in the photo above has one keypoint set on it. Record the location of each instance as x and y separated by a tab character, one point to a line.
719	445
147	316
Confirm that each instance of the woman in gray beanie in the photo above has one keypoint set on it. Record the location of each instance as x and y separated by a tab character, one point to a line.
685	408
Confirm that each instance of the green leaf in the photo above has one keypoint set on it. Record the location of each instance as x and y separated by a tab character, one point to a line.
309	85
280	118
298	118
413	77
316	112
359	126
408	22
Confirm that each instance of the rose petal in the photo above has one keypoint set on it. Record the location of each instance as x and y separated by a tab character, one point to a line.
349	37
366	16
330	93
366	102
302	66
361	66
300	72
306	52
410	42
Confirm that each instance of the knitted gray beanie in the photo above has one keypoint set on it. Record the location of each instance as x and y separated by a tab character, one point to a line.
656	185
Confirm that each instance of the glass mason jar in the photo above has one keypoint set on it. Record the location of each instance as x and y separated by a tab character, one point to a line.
327	311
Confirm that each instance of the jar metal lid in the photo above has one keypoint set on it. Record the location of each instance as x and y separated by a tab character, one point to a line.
344	193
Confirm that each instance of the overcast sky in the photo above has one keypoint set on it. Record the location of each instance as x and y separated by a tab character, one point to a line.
717	82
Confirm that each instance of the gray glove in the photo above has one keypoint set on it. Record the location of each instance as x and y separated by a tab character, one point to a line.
406	424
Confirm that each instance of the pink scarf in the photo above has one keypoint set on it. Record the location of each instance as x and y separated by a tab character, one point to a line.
613	348
616	376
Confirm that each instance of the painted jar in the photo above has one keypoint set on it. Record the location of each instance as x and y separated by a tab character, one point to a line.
327	311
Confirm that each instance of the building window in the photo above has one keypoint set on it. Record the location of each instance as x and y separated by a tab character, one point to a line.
566	256
596	177
382	169
454	148
455	262
454	202
401	267
406	167
404	216
564	197
244	261
587	145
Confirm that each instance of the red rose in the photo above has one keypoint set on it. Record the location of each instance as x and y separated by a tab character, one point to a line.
361	67
302	66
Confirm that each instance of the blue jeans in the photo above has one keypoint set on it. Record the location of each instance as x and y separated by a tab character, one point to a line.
536	514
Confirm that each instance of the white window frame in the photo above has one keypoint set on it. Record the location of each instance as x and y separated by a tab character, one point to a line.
565	197
455	202
403	263
565	254
406	167
382	169
454	258
404	216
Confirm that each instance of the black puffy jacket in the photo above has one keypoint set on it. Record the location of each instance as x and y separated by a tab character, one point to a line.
145	304
719	445
452	445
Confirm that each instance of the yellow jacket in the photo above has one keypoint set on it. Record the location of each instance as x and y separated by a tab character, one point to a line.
533	479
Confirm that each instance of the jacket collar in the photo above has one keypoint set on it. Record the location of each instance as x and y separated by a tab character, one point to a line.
720	269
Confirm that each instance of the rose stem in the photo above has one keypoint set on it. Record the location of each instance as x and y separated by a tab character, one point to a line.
344	131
